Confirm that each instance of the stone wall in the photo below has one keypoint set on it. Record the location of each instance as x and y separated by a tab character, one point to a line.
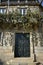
8	38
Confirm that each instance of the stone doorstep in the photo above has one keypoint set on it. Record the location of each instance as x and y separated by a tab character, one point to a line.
21	63
20	60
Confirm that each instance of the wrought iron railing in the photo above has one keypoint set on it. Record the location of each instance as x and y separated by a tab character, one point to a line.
20	3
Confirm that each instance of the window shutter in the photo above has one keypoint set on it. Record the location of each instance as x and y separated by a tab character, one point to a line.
0	1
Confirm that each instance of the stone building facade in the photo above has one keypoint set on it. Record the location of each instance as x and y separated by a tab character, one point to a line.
8	37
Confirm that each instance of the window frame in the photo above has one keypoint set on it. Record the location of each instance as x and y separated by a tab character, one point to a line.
23	10
3	10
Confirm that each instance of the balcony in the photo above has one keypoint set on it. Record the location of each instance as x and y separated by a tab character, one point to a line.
32	3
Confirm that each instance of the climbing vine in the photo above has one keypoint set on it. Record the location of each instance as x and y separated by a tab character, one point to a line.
15	19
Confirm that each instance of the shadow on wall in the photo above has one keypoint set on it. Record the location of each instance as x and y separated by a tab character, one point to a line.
2	63
38	63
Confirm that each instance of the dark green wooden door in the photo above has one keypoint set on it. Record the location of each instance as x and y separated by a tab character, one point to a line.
22	45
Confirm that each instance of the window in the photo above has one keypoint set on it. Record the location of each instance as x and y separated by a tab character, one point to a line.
22	0
2	10
29	0
14	0
4	0
22	11
0	1
41	2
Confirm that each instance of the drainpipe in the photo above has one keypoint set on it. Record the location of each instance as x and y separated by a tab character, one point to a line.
34	52
8	6
34	48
